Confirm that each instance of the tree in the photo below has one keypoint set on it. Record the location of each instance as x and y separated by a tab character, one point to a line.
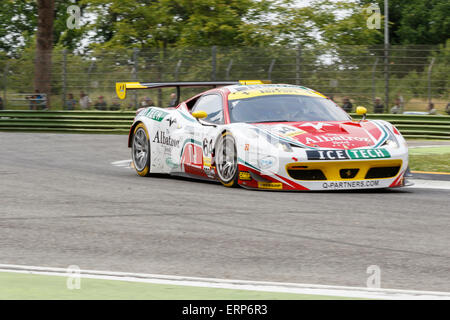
350	29
17	25
165	23
44	47
417	21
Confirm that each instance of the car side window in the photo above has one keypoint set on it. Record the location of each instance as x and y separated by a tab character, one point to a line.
212	105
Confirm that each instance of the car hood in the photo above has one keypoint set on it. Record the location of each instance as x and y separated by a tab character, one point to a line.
329	134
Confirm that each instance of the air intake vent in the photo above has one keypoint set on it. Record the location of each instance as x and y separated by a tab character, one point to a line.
307	174
382	172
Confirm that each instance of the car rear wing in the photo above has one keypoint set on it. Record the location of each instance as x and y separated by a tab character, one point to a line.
122	87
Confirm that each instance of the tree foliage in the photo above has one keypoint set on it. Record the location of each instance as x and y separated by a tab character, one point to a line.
171	23
18	25
417	21
148	23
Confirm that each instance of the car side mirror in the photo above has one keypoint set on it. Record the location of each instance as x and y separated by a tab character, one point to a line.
199	114
362	112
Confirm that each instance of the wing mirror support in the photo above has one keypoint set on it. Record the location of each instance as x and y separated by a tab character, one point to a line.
202	115
362	112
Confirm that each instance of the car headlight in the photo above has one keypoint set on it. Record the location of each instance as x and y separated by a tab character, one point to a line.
283	146
391	141
270	138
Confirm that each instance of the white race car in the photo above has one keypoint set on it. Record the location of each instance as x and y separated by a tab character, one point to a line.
265	136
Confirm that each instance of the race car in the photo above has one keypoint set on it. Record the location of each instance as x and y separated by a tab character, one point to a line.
267	136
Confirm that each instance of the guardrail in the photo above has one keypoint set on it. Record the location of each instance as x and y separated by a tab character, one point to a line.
118	122
109	122
417	126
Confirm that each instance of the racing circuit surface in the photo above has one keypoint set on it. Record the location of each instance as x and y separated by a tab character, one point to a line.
62	203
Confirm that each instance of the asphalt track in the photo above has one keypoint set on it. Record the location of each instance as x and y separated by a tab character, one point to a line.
62	203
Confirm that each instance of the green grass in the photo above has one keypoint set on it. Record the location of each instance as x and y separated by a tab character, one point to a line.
32	287
430	159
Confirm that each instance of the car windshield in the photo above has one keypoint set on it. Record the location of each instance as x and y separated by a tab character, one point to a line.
285	108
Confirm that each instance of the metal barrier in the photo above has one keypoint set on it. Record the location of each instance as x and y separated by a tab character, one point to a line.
109	122
119	122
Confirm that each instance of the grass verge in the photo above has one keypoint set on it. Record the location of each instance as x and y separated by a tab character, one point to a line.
430	159
32	287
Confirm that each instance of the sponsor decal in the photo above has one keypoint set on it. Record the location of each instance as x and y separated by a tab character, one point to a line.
270	185
164	139
289	131
285	129
350	184
171	121
155	114
295	133
323	138
347	154
317	126
258	91
244	175
207	167
206	161
247	147
266	162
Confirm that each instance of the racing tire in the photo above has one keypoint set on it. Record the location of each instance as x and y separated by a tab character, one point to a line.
226	160
140	150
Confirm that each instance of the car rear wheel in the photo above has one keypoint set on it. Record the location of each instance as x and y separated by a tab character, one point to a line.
226	160
140	150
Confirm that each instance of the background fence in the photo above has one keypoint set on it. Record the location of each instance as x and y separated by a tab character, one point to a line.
417	74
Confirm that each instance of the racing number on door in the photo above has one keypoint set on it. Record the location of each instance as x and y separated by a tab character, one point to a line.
207	147
192	156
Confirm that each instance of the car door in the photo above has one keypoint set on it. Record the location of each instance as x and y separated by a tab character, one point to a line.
197	157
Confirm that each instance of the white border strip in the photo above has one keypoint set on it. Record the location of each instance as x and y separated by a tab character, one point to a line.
430	146
296	288
430	184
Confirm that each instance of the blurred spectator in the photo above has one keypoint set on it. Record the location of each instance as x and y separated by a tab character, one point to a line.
32	103
401	101
70	102
100	104
146	102
397	108
85	101
378	106
115	105
143	103
447	108
431	109
36	101
150	102
2	107
41	101
347	106
173	100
